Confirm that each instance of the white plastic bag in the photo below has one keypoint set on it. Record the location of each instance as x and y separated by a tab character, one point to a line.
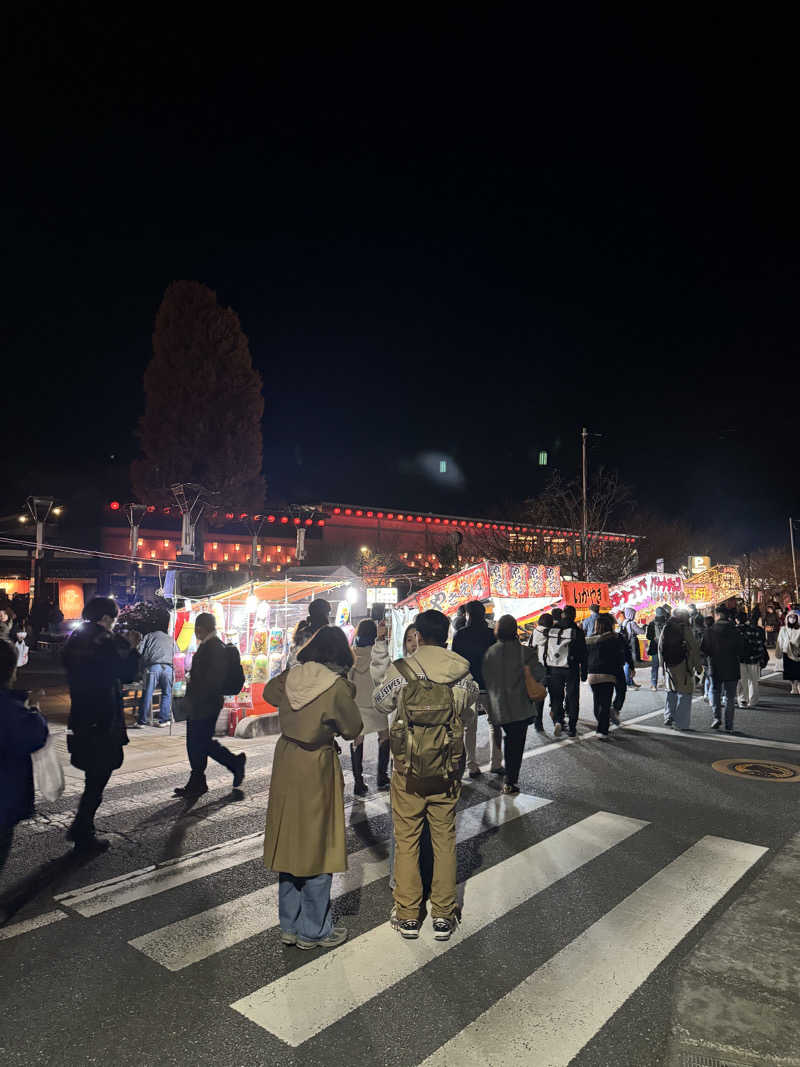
48	774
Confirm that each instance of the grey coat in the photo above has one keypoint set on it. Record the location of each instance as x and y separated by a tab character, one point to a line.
505	681
680	678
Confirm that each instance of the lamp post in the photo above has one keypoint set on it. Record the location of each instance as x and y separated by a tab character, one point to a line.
584	530
40	508
135	513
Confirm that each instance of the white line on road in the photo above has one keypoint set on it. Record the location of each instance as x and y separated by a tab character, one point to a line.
727	739
335	984
158	878
31	924
602	967
202	935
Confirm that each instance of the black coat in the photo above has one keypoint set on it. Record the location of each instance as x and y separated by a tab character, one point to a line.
722	643
97	662
22	731
204	693
604	654
472	643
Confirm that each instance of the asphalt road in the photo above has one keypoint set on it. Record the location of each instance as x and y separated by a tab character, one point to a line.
581	900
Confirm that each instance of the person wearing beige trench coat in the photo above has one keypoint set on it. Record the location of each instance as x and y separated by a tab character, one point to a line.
305	832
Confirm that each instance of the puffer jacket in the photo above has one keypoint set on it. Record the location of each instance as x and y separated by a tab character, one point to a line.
22	731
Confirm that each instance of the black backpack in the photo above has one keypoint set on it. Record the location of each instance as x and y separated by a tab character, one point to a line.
673	645
233	682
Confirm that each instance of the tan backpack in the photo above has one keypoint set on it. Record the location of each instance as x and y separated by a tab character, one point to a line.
427	735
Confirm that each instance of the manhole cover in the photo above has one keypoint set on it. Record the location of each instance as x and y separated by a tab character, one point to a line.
763	770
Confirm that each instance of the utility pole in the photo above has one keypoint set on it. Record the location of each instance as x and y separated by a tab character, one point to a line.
584	532
40	508
135	514
794	559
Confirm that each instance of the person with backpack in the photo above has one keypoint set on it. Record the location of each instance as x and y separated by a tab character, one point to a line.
538	642
565	656
508	669
679	652
626	661
604	659
653	636
375	722
216	672
305	838
431	692
754	658
23	731
722	644
472	643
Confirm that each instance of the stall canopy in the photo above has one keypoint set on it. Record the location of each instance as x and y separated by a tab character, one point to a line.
512	581
645	592
294	591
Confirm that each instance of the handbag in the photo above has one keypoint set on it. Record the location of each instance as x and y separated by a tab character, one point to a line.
48	774
534	689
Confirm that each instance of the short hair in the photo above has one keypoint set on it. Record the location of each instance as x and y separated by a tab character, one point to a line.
8	661
476	612
433	627
709	621
507	628
302	632
318	613
604	625
366	634
99	606
722	611
595	608
557	613
328	645
205	621
569	613
546	619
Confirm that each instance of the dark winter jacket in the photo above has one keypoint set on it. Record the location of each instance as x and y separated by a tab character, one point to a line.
753	645
97	662
472	643
22	731
722	644
653	634
604	654
577	651
505	680
204	696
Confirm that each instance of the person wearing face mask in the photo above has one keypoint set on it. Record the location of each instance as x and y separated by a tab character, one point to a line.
788	650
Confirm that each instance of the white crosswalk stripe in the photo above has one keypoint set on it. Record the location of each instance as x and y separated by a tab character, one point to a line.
602	967
158	878
199	936
333	985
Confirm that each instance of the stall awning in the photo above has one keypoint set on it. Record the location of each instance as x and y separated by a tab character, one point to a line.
280	591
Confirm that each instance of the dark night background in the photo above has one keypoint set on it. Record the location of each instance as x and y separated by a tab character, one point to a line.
465	237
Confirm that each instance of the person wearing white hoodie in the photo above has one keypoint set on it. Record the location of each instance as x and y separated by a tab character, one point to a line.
375	722
539	642
305	832
416	802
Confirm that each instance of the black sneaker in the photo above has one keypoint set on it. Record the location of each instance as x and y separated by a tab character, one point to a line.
384	785
238	774
476	773
716	723
668	721
359	789
538	727
615	719
88	845
443	929
498	770
190	791
407	928
573	733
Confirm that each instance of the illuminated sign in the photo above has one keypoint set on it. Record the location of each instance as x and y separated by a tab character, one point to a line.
381	594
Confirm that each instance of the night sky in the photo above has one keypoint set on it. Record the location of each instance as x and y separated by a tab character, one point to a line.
463	239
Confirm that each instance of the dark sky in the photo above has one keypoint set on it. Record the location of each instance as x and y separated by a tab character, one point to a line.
460	238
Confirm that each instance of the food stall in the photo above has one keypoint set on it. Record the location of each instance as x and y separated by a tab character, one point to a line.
518	589
259	618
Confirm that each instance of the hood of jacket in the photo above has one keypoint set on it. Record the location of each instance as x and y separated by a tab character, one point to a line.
306	682
439	664
362	658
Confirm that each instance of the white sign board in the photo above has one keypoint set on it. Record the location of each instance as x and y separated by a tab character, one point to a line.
381	594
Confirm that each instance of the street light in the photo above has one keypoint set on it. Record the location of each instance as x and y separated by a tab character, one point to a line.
40	508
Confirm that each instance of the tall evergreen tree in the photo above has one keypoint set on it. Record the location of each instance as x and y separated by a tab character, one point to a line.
203	403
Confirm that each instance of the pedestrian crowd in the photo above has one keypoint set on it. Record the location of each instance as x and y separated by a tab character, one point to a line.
423	709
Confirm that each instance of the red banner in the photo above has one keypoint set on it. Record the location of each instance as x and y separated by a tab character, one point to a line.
446	595
581	595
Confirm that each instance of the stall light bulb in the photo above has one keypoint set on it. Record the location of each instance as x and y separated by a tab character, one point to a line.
352	594
252	602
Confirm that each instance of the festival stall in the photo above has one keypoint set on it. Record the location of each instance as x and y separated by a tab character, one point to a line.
714	586
258	618
518	589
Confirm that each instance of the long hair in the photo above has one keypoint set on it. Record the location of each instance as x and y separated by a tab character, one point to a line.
328	645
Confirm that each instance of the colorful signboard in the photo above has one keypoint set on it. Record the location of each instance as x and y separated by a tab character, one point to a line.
581	595
484	580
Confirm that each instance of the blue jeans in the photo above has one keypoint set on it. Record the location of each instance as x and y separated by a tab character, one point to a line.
630	677
654	664
679	709
727	688
304	906
158	676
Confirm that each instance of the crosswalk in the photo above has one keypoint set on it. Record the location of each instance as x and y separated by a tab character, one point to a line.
296	1002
